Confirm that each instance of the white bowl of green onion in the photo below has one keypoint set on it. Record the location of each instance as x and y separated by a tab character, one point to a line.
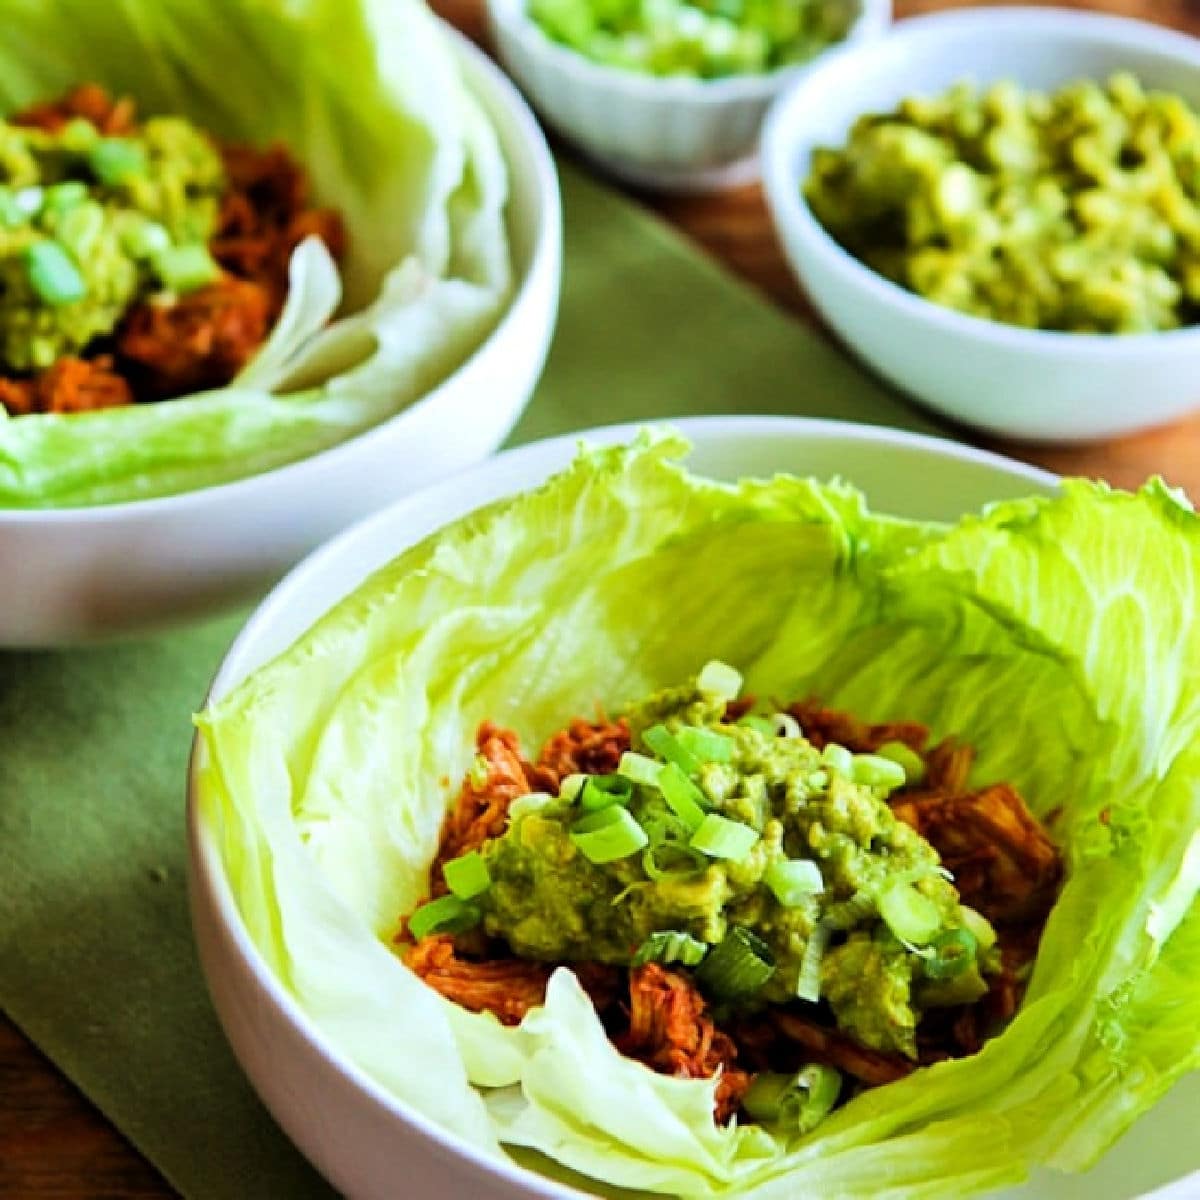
669	94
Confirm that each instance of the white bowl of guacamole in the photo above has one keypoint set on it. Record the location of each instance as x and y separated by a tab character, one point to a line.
978	355
554	579
131	518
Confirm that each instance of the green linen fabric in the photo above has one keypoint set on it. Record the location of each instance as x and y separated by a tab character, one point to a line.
96	957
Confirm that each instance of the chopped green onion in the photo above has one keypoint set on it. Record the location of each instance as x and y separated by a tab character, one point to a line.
819	780
78	134
705	745
10	211
602	790
467	876
877	772
608	834
79	228
446	914
478	772
145	239
980	928
53	274
185	268
664	743
911	916
801	1101
808	983
670	946
838	758
719	837
762	724
906	757
850	912
30	200
794	880
60	197
719	679
672	860
571	786
114	160
738	966
953	952
639	768
528	804
683	797
785	725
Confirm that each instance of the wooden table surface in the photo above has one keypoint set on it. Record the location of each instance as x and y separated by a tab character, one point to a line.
53	1144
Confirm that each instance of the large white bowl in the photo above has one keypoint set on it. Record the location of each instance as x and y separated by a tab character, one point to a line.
363	1139
75	574
1017	382
674	134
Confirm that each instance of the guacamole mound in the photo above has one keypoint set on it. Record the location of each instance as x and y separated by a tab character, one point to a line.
1076	210
784	803
89	223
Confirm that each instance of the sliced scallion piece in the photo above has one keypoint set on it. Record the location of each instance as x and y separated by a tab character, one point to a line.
705	745
114	160
672	860
875	771
683	797
907	758
608	834
670	946
719	837
737	967
528	804
62	197
838	758
446	914
571	787
794	880
980	927
719	679
467	876
953	952
599	791
808	983
785	725
664	743
185	268
801	1101
911	916
639	768
53	274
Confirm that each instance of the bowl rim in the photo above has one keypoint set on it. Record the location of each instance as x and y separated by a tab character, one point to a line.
791	212
497	94
206	875
511	17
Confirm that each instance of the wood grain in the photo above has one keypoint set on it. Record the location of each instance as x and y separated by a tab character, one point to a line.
53	1144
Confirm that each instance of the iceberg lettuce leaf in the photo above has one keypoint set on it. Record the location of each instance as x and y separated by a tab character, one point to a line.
407	157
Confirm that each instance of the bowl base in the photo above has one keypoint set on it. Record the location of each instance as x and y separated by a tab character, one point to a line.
680	180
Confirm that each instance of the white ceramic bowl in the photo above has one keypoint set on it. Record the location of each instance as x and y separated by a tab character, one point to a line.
674	134
360	1137
1017	382
82	573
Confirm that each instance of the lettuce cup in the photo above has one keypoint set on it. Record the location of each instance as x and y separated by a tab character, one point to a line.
134	517
371	814
411	166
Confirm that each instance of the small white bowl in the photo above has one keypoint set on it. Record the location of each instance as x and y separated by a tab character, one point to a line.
81	573
360	1136
1023	383
674	133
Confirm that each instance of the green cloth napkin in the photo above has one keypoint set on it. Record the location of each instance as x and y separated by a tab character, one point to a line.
96	956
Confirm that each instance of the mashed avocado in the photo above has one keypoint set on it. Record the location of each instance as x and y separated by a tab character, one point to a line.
733	828
90	224
1077	210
